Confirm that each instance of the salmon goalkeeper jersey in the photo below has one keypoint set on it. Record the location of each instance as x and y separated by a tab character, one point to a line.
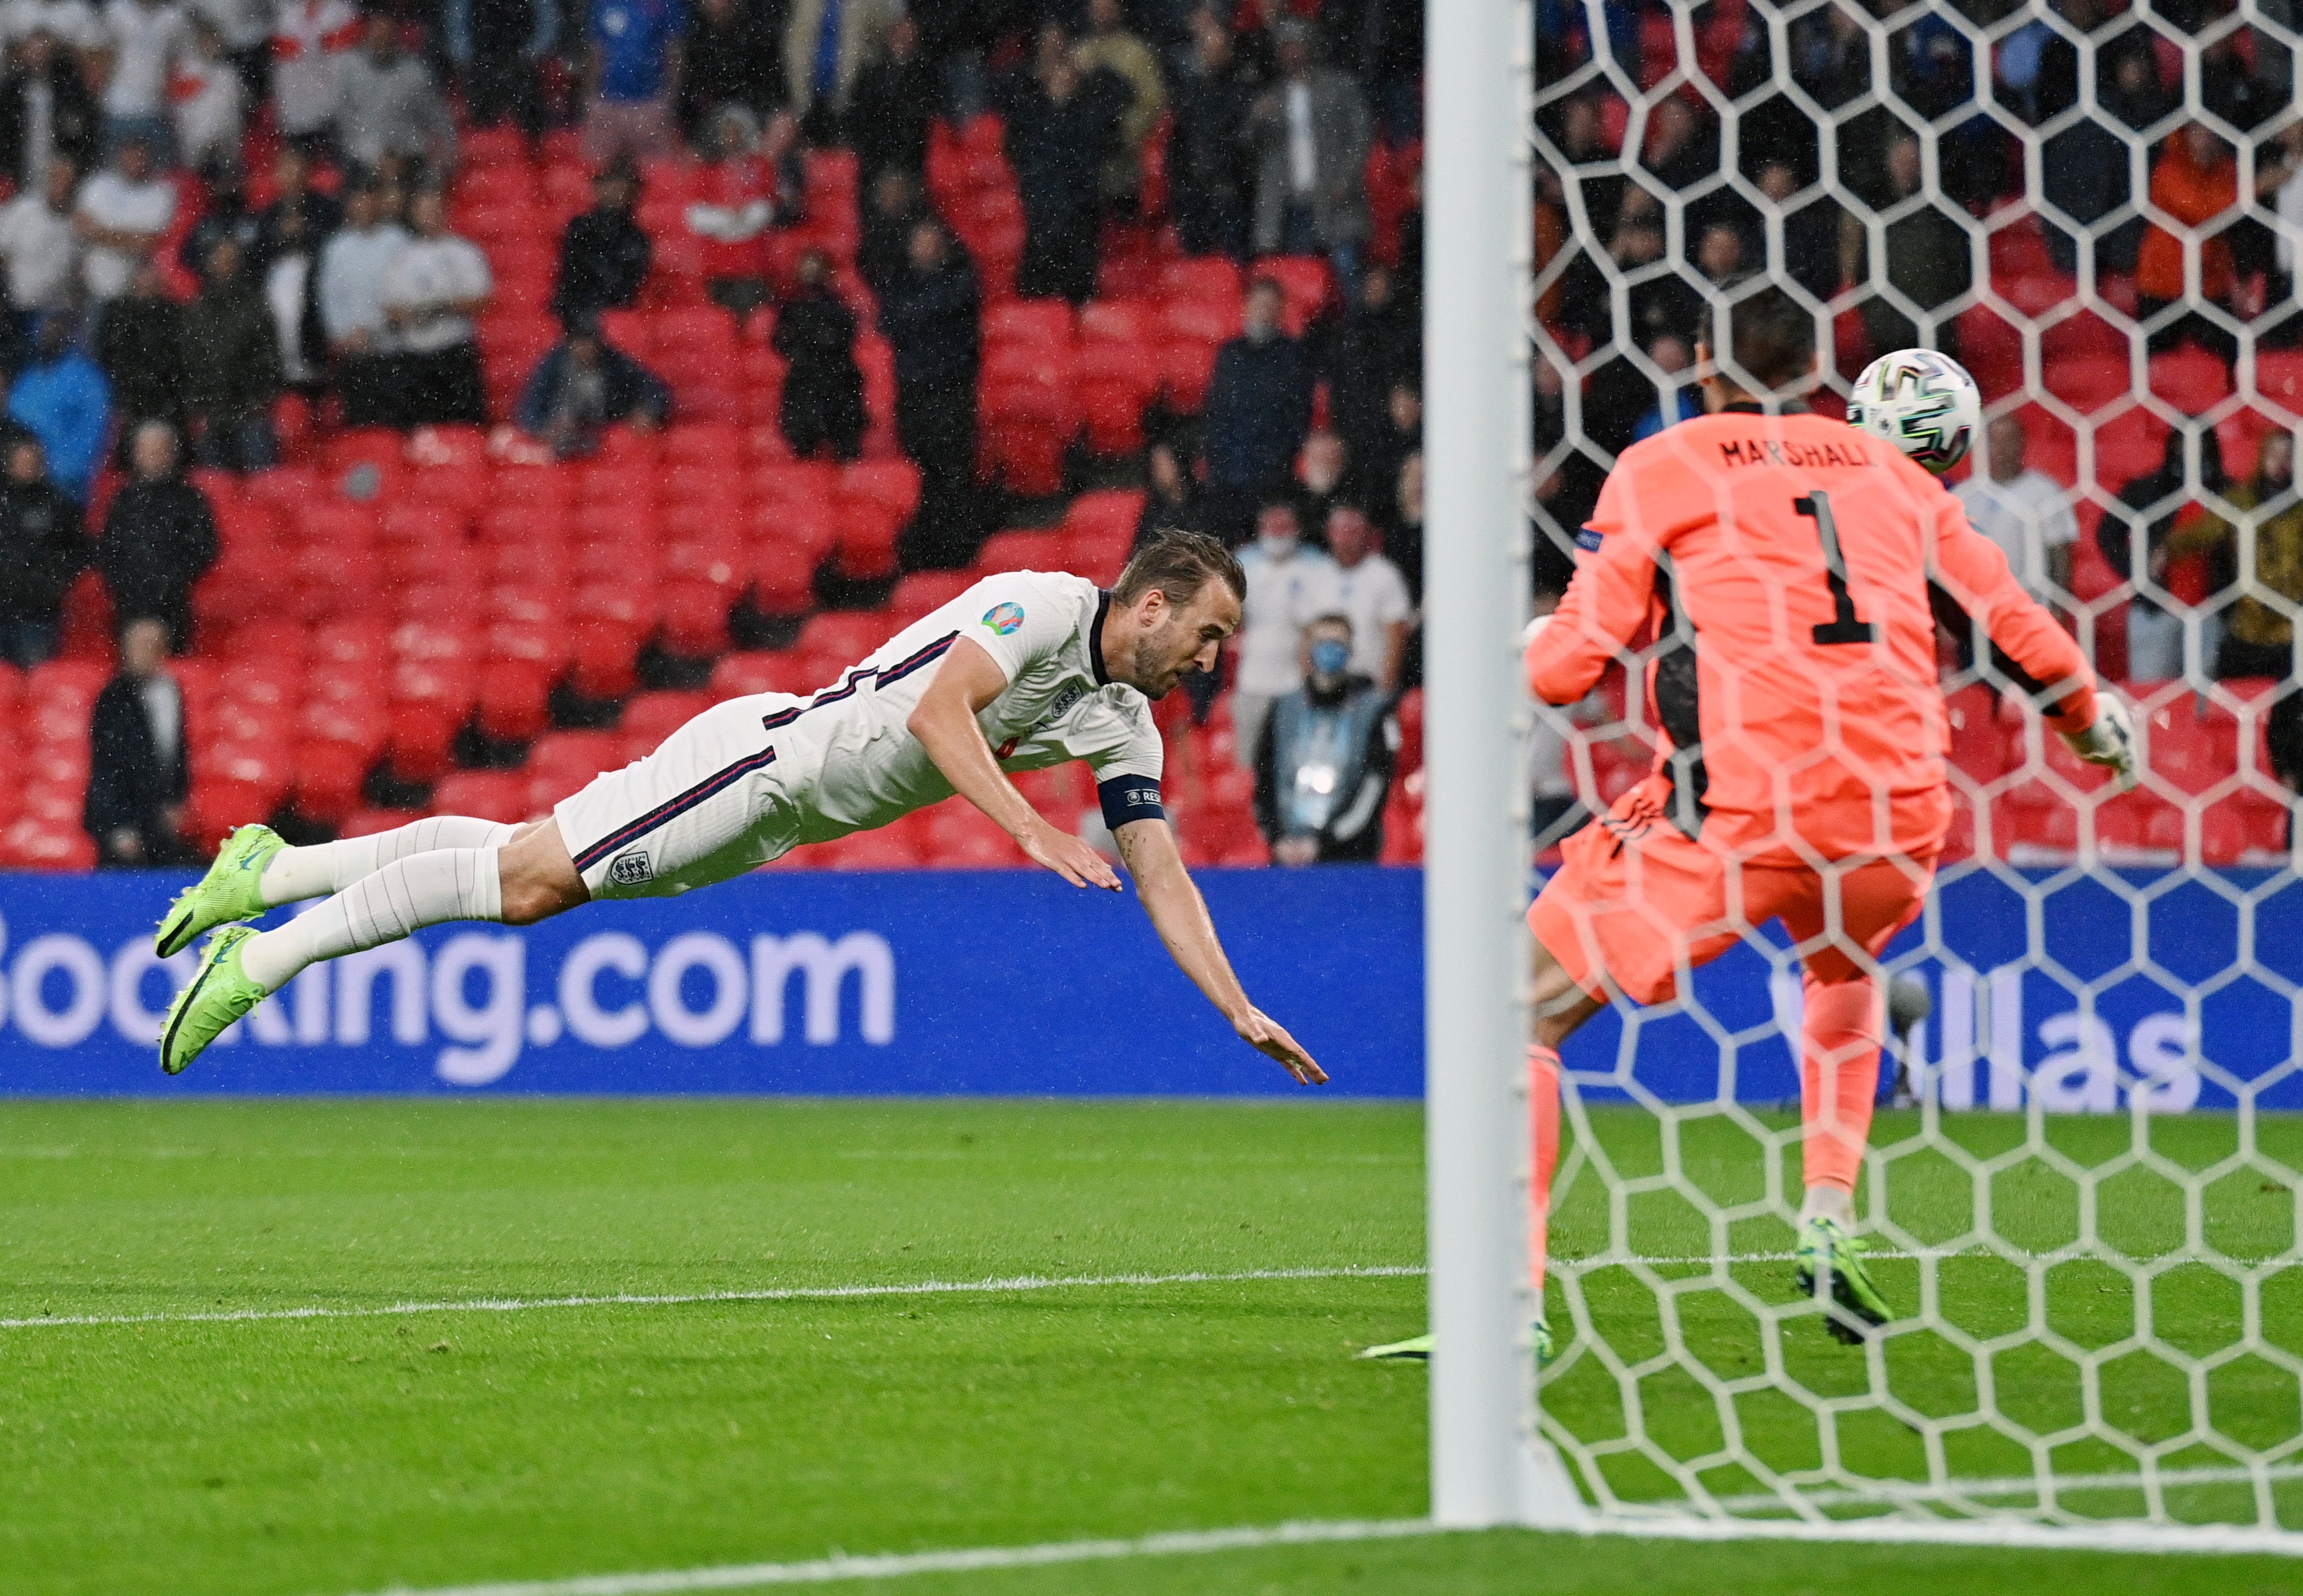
1775	579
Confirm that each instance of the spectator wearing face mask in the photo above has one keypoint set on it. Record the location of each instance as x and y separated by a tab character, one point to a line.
1323	760
1370	592
1289	586
1257	412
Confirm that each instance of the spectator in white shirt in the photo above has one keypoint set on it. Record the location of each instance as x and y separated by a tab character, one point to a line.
208	100
352	266
1370	591
389	107
41	245
309	41
432	287
2026	512
123	211
143	38
1290	584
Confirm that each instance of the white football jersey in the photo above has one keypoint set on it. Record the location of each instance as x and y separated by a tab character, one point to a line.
1044	629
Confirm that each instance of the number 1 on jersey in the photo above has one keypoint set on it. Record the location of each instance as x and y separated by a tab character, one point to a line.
1844	627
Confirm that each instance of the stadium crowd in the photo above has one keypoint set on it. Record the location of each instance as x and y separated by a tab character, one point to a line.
327	331
527	375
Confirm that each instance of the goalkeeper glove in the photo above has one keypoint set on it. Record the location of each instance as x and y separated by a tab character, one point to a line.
1534	630
2110	742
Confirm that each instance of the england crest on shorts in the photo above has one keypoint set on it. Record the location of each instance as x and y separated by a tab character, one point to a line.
632	869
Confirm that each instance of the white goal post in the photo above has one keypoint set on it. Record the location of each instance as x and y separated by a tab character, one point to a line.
1488	1466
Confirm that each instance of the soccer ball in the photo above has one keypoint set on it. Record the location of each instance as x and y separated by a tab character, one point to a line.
1923	403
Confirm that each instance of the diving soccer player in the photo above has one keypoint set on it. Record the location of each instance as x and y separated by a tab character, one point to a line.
1024	671
1784	565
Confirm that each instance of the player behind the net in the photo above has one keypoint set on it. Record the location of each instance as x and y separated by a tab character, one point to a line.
1782	562
1024	671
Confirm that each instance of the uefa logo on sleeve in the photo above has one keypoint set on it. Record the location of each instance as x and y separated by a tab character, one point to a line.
1004	618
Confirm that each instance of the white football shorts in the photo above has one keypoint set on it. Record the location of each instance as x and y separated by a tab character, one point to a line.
714	801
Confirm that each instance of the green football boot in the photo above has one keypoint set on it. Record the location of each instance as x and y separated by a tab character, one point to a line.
1418	1349
218	994
227	893
1828	1253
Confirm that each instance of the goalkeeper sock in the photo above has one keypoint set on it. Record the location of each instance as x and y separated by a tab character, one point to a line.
295	874
1839	1082
1543	1126
447	883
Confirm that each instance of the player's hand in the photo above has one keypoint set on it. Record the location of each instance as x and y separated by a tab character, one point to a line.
1068	857
2110	742
1268	1036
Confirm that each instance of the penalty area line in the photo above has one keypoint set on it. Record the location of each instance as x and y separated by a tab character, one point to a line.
521	1305
2110	1537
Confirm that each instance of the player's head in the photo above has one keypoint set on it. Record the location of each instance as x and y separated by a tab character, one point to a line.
1172	608
1760	345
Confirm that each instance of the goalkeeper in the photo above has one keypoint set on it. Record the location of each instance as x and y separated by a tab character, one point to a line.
1782	571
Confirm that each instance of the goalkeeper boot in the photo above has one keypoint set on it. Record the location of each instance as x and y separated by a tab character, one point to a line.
227	893
218	994
1831	1265
1419	1348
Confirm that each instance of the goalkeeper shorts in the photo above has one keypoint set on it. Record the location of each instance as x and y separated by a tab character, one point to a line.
1636	900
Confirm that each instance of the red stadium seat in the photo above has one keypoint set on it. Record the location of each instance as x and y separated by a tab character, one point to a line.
783	577
845	635
1021	552
498	795
740	676
696	619
920	593
867	530
329	779
514	700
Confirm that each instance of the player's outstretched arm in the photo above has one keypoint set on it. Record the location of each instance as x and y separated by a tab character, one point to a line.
1180	915
944	721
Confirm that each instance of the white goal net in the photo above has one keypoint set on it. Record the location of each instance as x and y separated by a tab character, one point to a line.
2082	1186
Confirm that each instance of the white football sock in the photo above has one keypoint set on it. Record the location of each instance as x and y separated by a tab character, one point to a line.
295	874
447	883
1829	1202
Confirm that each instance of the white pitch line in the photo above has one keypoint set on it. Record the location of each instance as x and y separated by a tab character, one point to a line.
834	1569
2222	1539
520	1305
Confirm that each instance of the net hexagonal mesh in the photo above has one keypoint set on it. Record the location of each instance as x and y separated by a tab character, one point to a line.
2083	1194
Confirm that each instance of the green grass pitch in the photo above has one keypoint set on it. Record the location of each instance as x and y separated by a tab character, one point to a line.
337	1455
